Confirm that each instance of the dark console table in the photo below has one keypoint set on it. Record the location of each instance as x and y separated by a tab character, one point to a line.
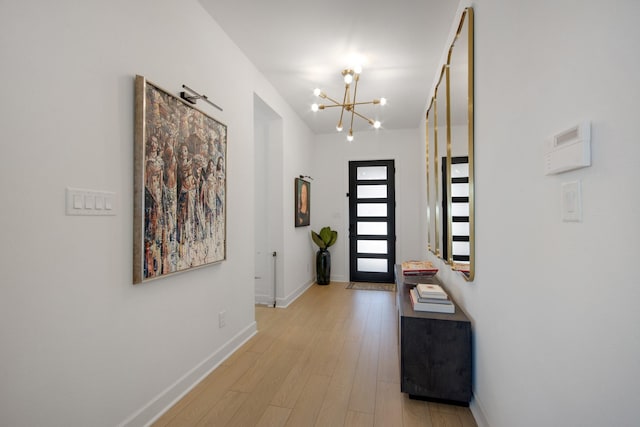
435	348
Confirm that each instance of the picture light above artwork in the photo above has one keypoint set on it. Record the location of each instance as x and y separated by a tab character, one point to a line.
193	98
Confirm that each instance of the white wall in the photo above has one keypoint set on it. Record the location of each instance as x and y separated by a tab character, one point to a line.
554	304
80	344
330	206
298	160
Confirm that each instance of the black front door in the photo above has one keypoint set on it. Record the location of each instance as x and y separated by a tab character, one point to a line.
372	234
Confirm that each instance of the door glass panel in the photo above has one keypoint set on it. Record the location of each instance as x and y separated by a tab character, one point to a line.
372	246
371	172
372	191
459	170
459	190
373	265
460	248
372	228
372	209
460	229
460	209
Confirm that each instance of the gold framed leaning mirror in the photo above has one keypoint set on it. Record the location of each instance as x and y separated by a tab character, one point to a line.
450	186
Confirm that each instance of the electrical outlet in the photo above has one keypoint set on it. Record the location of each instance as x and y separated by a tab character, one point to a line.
222	319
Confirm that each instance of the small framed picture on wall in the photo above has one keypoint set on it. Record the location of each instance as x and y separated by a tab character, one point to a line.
302	202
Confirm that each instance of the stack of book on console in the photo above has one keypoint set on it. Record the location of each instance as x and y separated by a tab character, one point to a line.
418	268
429	297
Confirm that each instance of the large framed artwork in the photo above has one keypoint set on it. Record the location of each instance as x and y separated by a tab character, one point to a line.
179	185
302	202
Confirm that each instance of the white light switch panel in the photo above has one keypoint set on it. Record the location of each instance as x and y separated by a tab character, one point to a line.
90	202
571	202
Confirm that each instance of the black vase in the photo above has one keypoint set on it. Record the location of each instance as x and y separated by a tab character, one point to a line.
323	267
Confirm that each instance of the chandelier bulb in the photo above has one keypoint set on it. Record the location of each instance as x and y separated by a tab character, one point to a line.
376	124
339	127
348	77
383	101
315	107
317	91
350	137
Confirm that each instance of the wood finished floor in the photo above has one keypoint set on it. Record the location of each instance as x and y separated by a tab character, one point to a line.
329	359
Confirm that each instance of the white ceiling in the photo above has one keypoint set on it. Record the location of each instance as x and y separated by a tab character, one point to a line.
301	44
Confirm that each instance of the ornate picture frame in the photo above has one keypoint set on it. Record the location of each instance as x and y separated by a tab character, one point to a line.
179	185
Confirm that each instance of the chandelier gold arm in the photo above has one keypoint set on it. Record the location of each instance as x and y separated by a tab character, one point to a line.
324	96
345	98
353	110
346	106
371	121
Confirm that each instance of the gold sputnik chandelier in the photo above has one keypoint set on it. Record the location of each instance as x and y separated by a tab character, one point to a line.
349	102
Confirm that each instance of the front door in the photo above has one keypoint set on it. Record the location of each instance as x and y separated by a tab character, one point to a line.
372	234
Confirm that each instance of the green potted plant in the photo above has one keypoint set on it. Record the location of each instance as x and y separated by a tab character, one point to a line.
324	239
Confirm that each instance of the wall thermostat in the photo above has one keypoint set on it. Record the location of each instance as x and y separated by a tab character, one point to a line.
568	150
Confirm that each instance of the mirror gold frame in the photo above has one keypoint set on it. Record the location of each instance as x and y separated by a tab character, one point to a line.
436	143
453	98
431	230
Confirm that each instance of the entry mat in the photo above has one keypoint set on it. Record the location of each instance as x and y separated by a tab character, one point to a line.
365	286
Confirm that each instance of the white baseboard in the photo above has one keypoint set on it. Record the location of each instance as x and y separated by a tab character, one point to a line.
284	302
264	299
340	278
478	413
267	300
149	413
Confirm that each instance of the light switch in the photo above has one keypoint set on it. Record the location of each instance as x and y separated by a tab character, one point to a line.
571	202
90	202
78	201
